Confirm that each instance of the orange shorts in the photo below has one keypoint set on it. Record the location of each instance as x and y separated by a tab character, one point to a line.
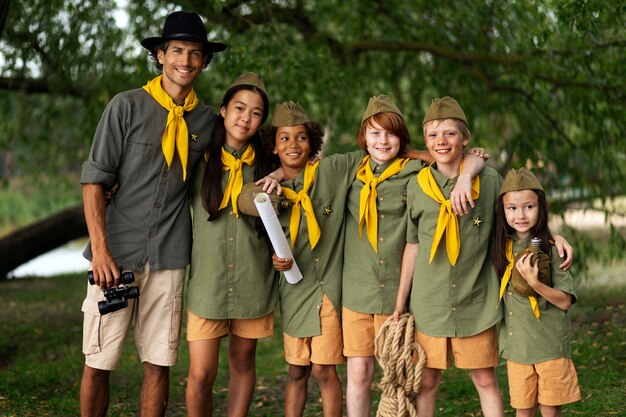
552	383
199	328
324	349
359	331
472	352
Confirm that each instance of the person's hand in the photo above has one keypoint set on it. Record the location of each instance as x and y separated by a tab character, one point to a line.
529	272
461	196
270	184
106	274
479	152
397	313
565	250
281	264
316	158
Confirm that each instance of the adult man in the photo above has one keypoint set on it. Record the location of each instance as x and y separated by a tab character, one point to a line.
146	145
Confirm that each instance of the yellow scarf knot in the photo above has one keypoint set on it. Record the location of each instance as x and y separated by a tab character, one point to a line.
235	178
447	221
302	198
534	305
368	213
176	134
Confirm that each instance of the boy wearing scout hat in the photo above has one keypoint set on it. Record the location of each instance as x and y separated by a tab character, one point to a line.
314	226
452	286
232	286
146	145
535	335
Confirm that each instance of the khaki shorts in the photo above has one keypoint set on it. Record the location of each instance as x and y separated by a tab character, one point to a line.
552	383
472	352
155	315
359	331
324	349
199	328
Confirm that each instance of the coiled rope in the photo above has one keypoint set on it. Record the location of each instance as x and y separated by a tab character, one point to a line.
395	348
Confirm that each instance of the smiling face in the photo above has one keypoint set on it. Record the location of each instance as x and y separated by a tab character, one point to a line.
292	147
242	117
445	142
182	64
521	209
381	144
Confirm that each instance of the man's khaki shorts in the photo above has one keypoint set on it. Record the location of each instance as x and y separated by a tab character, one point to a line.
155	315
359	331
324	349
472	352
199	328
552	383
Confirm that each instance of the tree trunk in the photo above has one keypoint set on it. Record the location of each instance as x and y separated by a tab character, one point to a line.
38	238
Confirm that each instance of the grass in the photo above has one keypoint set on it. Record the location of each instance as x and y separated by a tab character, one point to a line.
41	360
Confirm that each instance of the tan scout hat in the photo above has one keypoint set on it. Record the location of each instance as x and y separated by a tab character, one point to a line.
380	104
250	78
444	108
289	113
520	179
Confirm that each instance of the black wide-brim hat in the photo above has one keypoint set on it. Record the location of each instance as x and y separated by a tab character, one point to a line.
183	26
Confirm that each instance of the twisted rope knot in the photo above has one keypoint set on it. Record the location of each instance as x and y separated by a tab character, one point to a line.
395	348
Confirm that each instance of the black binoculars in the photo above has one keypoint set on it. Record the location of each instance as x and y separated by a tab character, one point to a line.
116	297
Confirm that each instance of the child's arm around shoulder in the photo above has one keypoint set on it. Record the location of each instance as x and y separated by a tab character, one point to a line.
530	273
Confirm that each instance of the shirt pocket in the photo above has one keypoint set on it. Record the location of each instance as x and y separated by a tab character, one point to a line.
134	158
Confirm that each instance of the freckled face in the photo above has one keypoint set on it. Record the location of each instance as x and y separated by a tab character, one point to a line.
521	209
292	146
444	141
242	117
382	145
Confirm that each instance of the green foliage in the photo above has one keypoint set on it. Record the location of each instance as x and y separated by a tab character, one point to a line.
542	82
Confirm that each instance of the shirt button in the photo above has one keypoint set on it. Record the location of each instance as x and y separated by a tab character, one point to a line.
230	290
165	174
510	293
157	205
382	216
510	333
231	266
381	261
231	238
510	313
231	212
318	307
317	260
321	282
382	285
453	285
453	308
151	234
380	199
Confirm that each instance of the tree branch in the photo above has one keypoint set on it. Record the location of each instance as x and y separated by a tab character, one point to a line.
32	86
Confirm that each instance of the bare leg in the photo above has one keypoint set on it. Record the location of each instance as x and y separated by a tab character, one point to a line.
330	389
242	364
550	410
154	390
488	389
94	392
525	412
296	391
428	392
360	377
204	360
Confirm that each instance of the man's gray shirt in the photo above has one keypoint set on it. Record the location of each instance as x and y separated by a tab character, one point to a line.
148	218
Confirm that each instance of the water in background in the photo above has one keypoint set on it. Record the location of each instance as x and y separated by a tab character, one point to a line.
63	260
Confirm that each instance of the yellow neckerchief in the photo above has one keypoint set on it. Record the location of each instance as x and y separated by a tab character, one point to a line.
235	178
507	276
176	133
368	214
447	221
302	198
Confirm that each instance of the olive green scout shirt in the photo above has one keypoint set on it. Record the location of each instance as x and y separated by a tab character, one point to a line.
523	338
231	274
370	279
321	267
456	301
147	219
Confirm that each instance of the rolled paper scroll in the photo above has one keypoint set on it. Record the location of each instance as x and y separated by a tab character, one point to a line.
277	237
